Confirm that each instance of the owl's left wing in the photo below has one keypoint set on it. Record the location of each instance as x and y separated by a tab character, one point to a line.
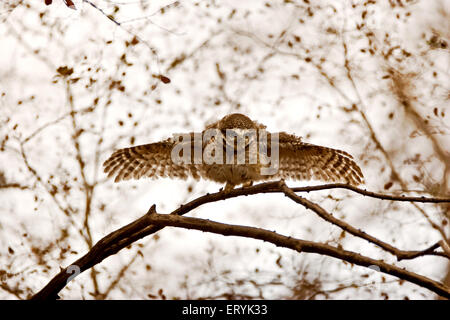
149	160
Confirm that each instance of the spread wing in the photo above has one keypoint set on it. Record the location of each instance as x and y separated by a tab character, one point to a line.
150	160
304	161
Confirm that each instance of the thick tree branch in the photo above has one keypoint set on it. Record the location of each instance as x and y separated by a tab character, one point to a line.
141	228
295	244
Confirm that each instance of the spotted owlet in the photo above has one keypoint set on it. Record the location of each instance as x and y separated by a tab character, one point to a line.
234	150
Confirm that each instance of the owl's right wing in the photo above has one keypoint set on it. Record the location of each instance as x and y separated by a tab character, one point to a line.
149	160
304	161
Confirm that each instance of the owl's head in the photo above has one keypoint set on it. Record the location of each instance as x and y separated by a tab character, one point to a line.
236	121
237	128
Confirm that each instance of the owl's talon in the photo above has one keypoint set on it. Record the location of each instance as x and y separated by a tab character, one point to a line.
247	184
228	187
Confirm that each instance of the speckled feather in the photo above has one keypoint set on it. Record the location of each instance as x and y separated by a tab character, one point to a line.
298	161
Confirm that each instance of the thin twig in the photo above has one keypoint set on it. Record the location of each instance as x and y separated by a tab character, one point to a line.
371	194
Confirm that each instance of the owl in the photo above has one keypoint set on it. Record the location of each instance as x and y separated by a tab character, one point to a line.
234	151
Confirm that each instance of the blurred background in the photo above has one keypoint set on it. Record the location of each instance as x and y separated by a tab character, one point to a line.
368	77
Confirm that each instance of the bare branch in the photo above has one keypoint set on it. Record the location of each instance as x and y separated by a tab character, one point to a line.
295	244
13	186
371	193
400	254
142	227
